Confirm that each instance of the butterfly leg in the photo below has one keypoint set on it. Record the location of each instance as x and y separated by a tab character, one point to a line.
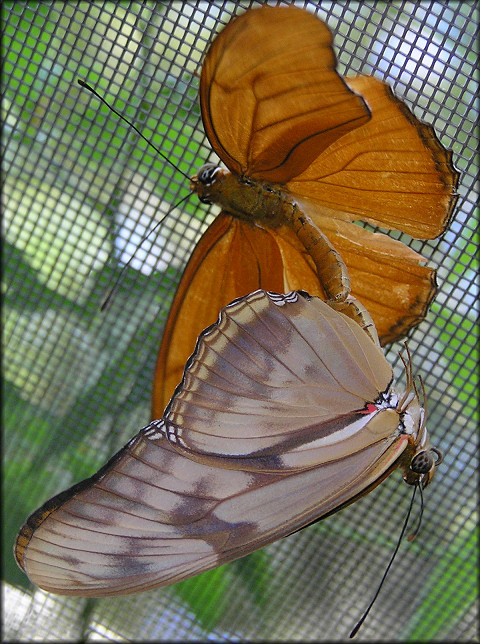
332	272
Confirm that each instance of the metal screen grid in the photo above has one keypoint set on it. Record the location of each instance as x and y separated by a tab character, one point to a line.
80	190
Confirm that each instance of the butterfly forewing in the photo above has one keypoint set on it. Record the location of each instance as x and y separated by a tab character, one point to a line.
279	92
128	533
160	511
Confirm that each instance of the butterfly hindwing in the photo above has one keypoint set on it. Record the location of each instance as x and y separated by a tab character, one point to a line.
233	259
282	370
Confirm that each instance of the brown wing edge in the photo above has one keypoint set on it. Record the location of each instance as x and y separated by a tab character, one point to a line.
37	517
213	233
401	328
442	157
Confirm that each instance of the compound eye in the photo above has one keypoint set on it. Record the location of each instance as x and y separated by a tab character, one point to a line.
424	461
207	172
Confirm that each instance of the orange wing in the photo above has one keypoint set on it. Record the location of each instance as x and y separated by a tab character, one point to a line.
275	110
387	277
270	96
391	172
232	259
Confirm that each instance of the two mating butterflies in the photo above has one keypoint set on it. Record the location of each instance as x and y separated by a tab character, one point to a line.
286	412
291	130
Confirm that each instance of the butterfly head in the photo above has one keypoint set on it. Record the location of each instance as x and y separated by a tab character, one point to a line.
419	460
423	465
205	182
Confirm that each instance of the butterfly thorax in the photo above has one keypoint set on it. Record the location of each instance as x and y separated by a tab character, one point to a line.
269	205
243	197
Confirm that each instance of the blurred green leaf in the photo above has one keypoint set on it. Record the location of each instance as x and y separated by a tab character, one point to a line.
204	593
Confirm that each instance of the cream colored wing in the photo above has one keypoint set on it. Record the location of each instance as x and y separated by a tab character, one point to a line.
159	511
152	517
279	373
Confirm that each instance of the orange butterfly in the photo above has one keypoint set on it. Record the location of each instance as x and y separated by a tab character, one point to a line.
308	153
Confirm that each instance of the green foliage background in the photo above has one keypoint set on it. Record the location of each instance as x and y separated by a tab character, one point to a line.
77	381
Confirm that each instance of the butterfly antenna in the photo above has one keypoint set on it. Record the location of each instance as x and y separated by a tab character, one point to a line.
412	536
109	295
152	145
397	547
424	403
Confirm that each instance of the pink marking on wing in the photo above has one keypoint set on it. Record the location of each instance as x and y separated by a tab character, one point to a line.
370	408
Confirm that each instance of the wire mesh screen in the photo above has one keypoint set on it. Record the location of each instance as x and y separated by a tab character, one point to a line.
80	191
